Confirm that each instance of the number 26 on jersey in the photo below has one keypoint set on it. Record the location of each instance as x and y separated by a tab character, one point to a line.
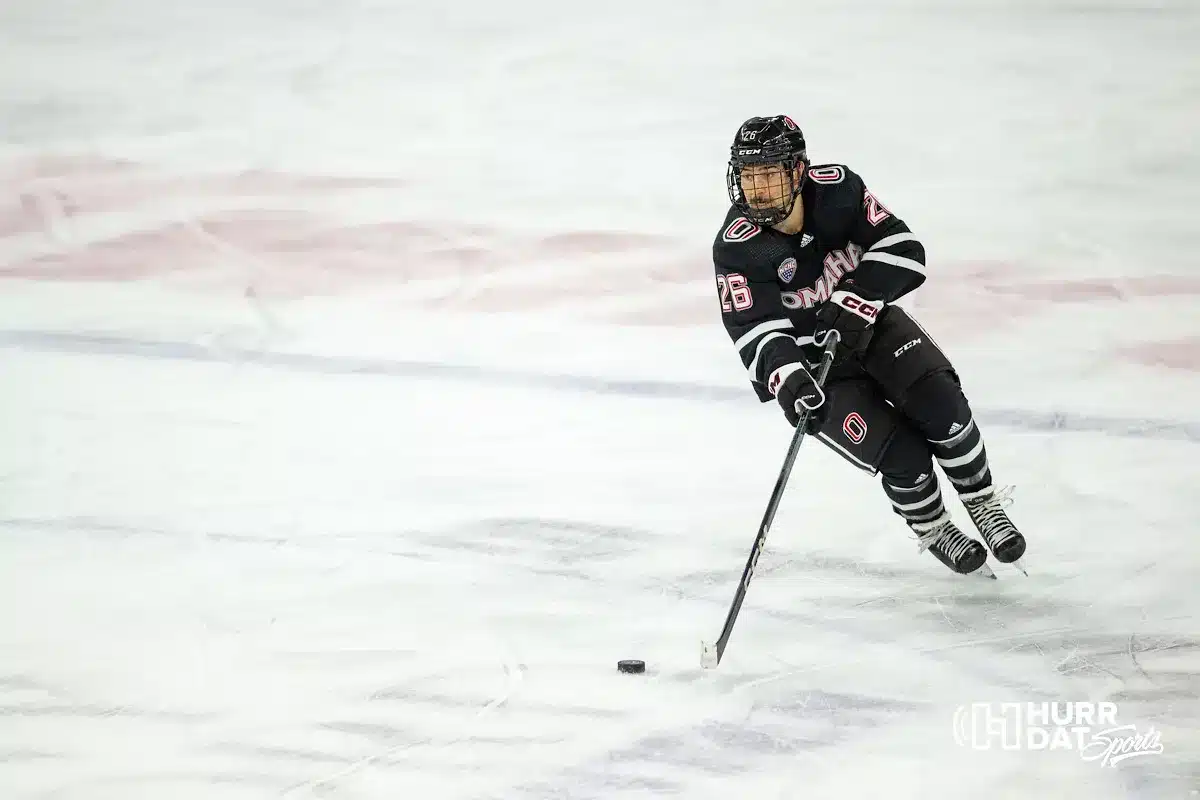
735	294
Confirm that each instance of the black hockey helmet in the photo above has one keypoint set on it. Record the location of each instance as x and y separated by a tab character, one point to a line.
767	141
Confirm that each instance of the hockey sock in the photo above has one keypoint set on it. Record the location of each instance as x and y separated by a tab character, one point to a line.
938	407
964	459
919	503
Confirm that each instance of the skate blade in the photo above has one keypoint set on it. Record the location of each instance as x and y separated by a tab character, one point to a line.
984	572
708	656
1018	565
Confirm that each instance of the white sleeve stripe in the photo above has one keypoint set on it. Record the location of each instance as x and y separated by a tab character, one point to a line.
895	238
897	261
759	329
753	368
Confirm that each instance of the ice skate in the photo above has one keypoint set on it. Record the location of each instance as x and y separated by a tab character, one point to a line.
986	509
951	546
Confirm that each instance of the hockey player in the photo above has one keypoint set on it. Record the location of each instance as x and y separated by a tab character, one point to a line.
806	249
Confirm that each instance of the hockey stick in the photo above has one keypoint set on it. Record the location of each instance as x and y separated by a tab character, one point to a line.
710	654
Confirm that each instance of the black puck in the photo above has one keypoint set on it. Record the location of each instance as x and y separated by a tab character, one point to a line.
631	666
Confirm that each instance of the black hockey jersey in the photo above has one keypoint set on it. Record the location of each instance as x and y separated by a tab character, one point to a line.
770	283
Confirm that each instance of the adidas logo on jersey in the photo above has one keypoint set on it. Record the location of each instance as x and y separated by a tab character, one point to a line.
806	240
955	428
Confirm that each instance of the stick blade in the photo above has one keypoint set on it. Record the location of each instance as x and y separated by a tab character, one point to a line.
708	656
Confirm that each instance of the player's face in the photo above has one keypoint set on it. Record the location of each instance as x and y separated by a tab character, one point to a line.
766	185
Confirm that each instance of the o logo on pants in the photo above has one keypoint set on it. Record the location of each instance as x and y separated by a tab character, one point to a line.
855	428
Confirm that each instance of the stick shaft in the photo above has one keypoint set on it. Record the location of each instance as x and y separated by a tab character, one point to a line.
764	527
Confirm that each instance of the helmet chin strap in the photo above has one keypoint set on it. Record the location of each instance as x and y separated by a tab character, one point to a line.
773	215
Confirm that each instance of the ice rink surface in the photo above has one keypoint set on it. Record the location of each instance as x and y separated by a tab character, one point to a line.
364	398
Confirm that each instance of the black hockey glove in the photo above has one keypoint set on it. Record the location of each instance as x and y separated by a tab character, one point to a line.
851	311
797	391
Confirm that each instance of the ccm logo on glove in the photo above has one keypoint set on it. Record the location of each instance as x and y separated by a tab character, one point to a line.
867	309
